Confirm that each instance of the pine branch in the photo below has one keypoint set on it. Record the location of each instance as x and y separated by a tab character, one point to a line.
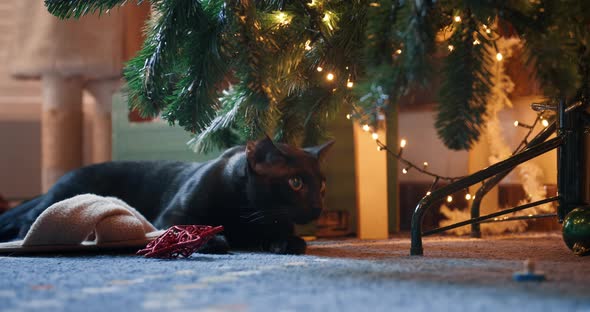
254	47
465	88
77	8
180	65
222	126
417	33
195	98
555	64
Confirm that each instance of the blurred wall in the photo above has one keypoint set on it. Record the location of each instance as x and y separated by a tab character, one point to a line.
19	121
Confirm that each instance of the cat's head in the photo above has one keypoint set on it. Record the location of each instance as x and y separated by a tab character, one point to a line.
286	179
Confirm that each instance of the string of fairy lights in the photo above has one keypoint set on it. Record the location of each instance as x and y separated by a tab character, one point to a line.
328	18
423	168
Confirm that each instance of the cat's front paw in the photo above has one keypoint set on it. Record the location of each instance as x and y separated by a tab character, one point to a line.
216	245
293	245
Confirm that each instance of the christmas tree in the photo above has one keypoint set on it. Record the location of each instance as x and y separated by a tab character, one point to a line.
234	70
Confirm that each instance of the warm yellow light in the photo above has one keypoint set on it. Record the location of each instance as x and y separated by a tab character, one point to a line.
312	3
449	199
398	51
516	123
545	123
425	164
457	18
499	56
375	4
283	18
488	31
329	19
348	116
403	143
319	69
308	45
468	196
428	193
349	84
366	128
405	170
476	42
451	47
375	136
330	76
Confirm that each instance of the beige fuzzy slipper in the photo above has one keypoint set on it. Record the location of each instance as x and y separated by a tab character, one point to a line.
68	225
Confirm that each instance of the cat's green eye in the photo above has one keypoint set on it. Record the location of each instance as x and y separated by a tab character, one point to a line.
295	183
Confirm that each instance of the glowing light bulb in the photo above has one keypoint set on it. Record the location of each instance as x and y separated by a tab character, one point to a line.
449	199
308	45
330	76
398	51
375	136
428	193
403	143
468	196
283	18
476	42
348	116
366	128
499	56
545	123
328	18
349	84
451	47
516	123
379	148
457	18
319	69
425	164
405	170
488	31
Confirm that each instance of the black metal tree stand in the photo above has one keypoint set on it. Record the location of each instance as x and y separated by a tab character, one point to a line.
570	124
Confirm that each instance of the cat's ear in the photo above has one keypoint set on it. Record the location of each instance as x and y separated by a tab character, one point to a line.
262	154
320	151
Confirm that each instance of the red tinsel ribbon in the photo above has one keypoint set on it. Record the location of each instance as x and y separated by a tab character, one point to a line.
179	240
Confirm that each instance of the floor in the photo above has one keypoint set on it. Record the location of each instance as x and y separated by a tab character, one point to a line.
456	274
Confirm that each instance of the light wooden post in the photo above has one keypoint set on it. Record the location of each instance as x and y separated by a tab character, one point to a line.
371	184
61	127
102	91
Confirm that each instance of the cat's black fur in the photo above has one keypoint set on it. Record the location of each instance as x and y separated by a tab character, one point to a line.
247	190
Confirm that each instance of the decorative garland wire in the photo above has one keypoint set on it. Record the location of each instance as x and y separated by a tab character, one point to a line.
422	169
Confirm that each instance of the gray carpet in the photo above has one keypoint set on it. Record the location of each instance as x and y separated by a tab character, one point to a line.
344	275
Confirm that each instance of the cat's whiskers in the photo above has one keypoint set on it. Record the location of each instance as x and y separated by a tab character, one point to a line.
263	215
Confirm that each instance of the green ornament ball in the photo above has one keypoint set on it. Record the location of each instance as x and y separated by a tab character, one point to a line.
576	230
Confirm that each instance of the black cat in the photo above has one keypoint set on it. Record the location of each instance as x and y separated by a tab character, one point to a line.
257	192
